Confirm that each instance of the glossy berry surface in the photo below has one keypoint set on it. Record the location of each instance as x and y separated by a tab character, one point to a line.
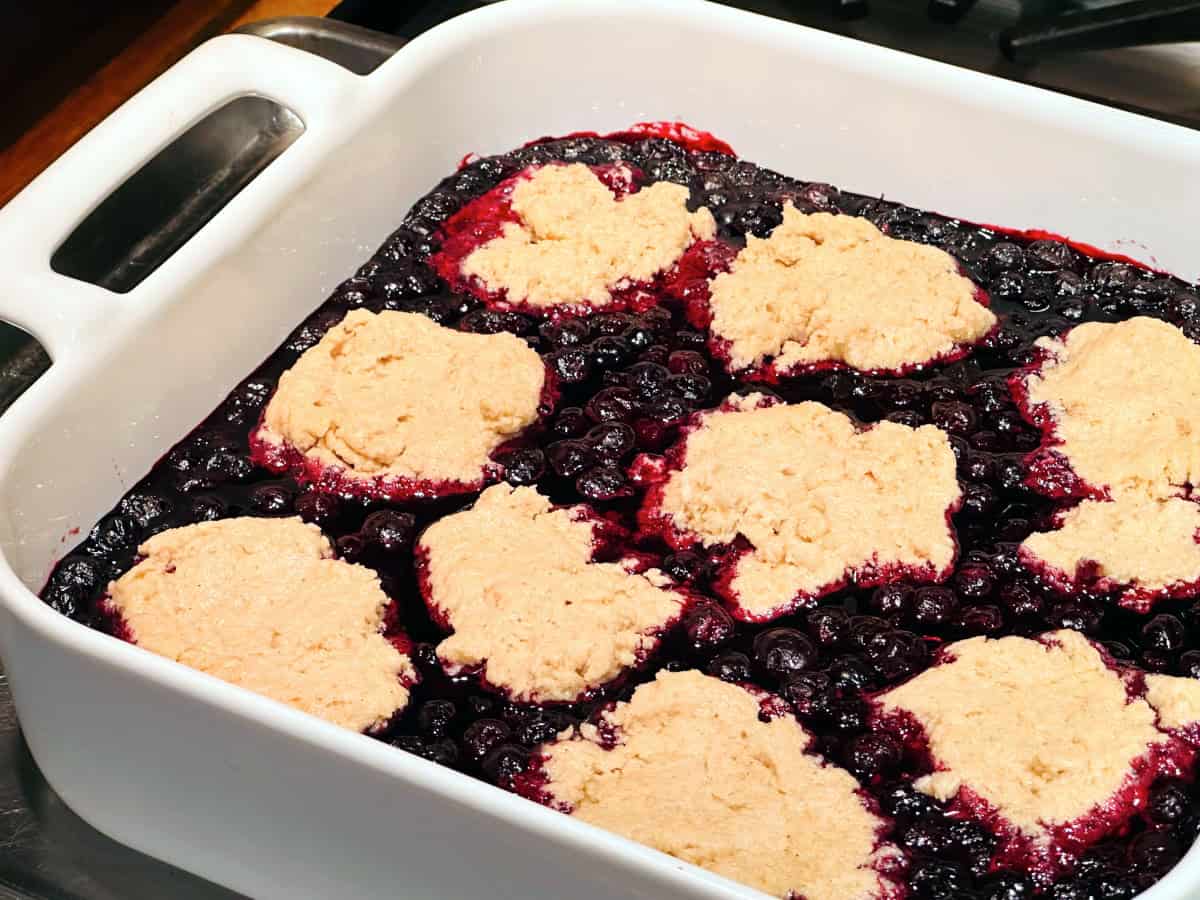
629	380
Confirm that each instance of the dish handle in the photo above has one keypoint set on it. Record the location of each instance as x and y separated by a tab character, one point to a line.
62	311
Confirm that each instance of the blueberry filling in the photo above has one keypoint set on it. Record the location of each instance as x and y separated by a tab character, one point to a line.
628	381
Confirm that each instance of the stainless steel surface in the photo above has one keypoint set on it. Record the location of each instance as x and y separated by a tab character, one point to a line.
160	206
46	851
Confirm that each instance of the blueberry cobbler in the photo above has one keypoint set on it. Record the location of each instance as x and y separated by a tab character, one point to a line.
846	550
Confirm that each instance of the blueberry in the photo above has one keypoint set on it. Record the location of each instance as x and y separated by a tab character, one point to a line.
1113	276
904	801
612	404
611	440
687	362
928	837
783	652
935	879
603	483
351	547
1189	663
78	573
852	672
1163	632
570	458
934	605
483	736
1168	803
571	366
524	466
224	465
144	508
985	619
1019	599
891	600
974	581
897	654
730	666
1004	257
1047	255
864	628
435	717
811	693
954	417
870	755
443	752
708	627
271	500
505	763
647	379
206	509
608	352
542	725
1077	615
388	530
113	534
683	566
319	509
570	422
1154	852
849	714
693	389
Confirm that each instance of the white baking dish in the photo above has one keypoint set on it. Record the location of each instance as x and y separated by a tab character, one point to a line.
267	800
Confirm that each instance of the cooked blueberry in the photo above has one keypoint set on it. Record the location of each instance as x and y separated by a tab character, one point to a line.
206	509
319	509
571	457
1006	886
1004	257
708	627
1189	663
572	365
114	534
524	466
1047	255
987	619
891	600
570	422
935	879
271	500
612	404
782	652
849	714
144	508
611	440
974	581
388	530
691	388
505	763
687	362
852	672
608	352
683	566
897	654
934	605
1168	803
226	466
811	693
1080	616
1163	632
351	547
871	755
1154	852
647	379
482	736
827	625
954	417
730	666
603	483
435	716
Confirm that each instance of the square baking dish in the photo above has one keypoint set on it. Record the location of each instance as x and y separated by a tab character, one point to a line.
269	801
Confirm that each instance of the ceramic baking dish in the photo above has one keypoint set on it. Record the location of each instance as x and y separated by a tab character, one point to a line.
267	800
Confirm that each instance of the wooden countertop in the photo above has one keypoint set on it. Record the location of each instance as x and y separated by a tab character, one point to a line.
183	25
